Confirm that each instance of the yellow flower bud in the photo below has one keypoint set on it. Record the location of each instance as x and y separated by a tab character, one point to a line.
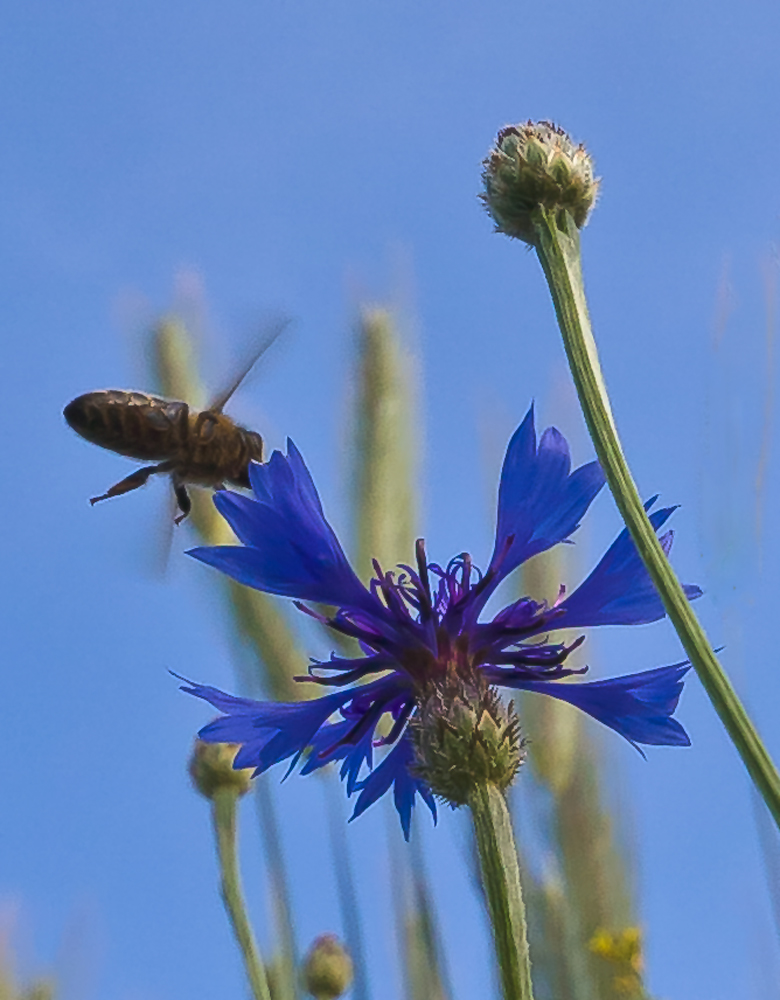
211	769
327	968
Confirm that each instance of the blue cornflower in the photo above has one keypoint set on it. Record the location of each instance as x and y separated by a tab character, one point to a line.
419	628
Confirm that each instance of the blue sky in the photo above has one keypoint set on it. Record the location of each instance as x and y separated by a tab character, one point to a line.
300	157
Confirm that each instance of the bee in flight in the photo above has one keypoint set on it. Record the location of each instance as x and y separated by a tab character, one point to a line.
204	447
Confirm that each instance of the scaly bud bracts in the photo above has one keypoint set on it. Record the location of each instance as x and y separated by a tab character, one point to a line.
464	735
533	166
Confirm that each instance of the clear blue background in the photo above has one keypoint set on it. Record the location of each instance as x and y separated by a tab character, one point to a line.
299	156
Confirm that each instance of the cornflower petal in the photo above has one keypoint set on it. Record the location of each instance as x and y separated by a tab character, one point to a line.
288	547
272	731
395	771
418	624
620	591
328	746
638	706
285	481
540	501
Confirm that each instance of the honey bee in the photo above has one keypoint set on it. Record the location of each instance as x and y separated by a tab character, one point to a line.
206	447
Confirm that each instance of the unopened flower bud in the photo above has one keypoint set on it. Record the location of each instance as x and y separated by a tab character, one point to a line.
465	736
536	165
327	968
211	769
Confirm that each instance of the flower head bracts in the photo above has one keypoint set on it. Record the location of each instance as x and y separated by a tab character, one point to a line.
419	631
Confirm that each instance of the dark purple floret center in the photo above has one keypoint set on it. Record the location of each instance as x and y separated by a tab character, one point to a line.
425	626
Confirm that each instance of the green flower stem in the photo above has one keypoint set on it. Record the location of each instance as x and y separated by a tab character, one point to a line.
224	816
501	879
558	247
285	977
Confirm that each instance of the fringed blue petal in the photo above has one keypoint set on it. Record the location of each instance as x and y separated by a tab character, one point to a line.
395	771
638	706
270	732
273	731
619	591
411	621
288	547
327	747
540	501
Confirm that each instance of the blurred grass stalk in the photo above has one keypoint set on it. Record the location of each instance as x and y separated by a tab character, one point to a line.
417	926
259	617
384	509
585	888
385	520
386	459
40	988
386	447
262	626
345	884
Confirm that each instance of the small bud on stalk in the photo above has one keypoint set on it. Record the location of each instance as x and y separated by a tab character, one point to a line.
536	165
212	773
211	769
464	735
327	968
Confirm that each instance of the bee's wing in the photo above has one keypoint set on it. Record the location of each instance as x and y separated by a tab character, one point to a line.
154	553
150	538
275	331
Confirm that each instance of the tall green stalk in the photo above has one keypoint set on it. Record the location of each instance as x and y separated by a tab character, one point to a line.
558	247
501	881
539	188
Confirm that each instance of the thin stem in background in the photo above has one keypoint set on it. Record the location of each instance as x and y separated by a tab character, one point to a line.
285	981
416	924
424	907
224	810
345	886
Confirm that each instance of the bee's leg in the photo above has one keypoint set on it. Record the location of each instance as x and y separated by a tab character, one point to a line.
183	500
203	430
132	482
